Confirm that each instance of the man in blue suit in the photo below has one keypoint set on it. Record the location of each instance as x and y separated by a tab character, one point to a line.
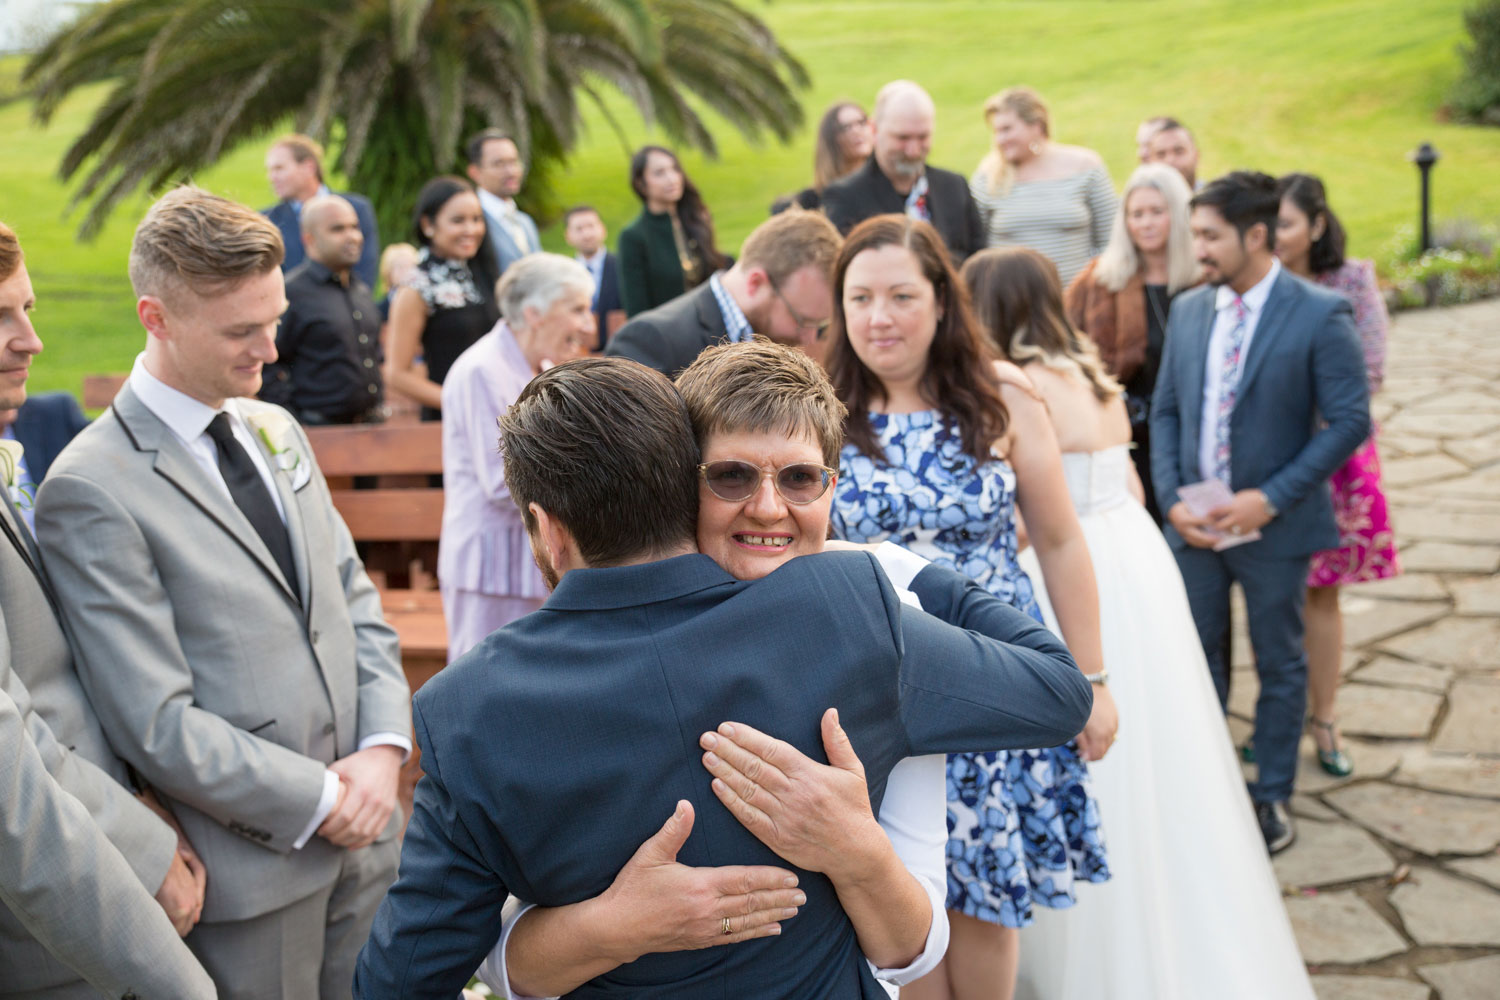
1262	387
294	166
561	742
584	231
496	169
43	425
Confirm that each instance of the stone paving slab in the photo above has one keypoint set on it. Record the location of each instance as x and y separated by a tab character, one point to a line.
1474	451
1461	774
1474	979
1406	587
1392	672
1438	426
1367	621
1339	927
1439	909
1477	597
1368	988
1447	557
1368	710
1486	869
1420	469
1431	823
1425	524
1473	722
1466	402
1481	485
1462	643
1329	853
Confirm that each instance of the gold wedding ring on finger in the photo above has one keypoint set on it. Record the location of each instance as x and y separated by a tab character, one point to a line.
726	926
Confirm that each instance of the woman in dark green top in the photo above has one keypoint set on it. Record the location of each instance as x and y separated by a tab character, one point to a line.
669	248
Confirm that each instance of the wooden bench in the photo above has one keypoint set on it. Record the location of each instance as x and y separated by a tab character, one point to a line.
389	519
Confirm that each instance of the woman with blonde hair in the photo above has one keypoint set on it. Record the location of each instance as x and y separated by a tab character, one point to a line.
1122	298
1193	909
1034	192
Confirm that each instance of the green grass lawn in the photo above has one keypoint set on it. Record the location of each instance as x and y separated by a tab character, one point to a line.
1341	88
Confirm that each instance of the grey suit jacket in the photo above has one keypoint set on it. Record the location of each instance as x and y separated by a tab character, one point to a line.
506	250
37	673
227	695
66	884
1305	369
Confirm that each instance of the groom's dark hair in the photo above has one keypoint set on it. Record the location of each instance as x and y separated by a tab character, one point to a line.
1245	198
605	446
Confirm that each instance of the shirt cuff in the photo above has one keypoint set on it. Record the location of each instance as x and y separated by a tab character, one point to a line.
935	948
493	972
329	799
388	740
900	565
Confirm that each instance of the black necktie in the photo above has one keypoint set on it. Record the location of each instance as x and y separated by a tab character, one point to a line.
251	496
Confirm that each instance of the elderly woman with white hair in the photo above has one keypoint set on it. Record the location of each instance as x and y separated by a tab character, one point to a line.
1122	298
485	569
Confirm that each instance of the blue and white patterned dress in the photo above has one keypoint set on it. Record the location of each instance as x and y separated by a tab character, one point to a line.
1022	825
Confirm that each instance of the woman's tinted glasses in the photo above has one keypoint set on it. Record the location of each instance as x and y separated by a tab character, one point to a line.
800	483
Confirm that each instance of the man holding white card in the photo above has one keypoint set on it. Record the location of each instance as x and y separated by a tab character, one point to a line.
1261	397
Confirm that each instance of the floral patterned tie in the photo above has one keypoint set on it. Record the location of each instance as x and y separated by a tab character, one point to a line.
1229	383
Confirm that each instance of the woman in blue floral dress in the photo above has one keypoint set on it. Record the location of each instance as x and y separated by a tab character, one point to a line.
937	431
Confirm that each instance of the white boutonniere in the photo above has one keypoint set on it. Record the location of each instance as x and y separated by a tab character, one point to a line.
10	473
274	429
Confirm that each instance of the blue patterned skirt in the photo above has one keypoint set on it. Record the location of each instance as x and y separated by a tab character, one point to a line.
1022	828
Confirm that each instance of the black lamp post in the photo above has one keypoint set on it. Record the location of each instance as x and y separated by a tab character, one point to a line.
1424	156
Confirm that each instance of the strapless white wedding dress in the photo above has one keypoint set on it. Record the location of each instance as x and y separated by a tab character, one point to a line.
1193	910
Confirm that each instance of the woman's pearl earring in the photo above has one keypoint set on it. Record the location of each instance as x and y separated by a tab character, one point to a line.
1035	147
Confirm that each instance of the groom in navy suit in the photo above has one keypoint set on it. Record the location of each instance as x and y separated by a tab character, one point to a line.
559	744
1262	387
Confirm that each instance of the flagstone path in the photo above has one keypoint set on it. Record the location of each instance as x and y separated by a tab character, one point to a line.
1393	885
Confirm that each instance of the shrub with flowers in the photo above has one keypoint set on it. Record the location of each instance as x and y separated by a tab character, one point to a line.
1462	266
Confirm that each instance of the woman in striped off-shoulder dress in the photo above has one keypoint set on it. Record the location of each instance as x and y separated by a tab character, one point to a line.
1033	192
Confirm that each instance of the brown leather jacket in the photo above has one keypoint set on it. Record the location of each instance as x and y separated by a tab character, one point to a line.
1116	321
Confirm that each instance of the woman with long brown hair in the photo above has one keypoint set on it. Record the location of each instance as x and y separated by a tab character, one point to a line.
844	143
1182	837
943	443
670	248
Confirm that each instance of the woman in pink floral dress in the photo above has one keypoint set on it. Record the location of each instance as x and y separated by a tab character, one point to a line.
1310	243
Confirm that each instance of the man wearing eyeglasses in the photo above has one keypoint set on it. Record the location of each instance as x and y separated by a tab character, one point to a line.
778	288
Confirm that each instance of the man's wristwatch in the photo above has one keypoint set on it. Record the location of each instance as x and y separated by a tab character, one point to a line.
1271	510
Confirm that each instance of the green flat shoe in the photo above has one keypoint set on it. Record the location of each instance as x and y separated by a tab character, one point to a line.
1334	762
1247	752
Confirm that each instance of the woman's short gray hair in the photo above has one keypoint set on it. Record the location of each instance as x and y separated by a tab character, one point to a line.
537	281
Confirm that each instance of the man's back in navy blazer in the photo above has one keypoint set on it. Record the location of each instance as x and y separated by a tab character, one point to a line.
556	746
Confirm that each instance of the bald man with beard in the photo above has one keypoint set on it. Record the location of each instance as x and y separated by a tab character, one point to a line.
897	177
327	369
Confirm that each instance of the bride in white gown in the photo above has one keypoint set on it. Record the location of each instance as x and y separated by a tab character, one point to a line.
1193	910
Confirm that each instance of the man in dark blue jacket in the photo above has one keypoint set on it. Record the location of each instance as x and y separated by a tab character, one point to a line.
294	166
558	745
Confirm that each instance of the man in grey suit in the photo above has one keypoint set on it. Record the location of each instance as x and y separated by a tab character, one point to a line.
496	169
228	635
1262	388
77	824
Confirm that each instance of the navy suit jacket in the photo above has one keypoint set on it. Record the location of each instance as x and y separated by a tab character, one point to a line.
44	425
608	298
1305	368
563	741
671	336
290	223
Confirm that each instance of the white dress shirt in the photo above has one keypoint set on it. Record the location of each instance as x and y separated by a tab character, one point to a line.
188	420
913	814
1218	346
